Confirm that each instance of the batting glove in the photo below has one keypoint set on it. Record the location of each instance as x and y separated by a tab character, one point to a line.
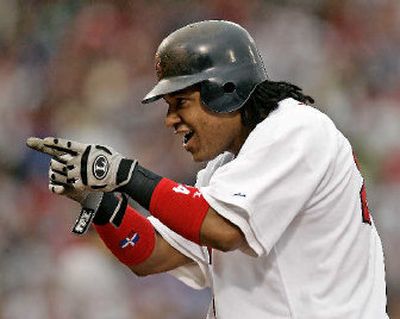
58	181
86	167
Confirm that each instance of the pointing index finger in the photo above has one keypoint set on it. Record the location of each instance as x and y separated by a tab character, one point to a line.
64	146
37	144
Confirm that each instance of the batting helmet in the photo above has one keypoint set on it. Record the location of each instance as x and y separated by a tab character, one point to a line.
220	56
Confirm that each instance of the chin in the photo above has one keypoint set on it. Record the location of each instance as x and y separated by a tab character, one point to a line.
198	158
201	157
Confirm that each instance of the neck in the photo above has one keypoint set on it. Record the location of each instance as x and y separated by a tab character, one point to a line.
239	141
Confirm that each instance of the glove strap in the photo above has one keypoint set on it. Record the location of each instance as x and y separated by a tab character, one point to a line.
88	211
99	208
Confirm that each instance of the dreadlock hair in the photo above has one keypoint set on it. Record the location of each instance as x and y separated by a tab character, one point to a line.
265	98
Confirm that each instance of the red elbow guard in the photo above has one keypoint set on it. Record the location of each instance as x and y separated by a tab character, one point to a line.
182	208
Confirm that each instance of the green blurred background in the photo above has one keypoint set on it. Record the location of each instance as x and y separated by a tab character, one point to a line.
78	69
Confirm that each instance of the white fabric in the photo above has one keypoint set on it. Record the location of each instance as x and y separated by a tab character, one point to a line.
294	191
194	275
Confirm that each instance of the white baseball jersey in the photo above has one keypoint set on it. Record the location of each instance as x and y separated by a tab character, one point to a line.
297	195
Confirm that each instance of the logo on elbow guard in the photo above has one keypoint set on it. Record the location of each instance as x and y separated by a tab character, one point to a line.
100	167
130	240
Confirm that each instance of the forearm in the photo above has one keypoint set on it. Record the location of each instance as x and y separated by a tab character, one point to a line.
163	258
90	167
219	233
133	240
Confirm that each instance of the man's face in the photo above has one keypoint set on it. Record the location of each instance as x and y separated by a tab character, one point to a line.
205	134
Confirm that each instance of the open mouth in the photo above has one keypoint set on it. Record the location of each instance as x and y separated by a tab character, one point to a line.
187	137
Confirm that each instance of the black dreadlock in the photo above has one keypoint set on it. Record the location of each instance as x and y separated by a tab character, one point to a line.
265	98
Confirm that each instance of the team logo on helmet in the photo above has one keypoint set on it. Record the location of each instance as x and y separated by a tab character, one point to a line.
159	70
100	167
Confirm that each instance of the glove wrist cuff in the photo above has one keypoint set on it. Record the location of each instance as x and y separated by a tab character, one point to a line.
125	171
141	185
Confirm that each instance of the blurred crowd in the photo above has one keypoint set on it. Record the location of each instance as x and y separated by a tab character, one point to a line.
78	69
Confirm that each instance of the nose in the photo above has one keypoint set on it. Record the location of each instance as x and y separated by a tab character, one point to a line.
171	119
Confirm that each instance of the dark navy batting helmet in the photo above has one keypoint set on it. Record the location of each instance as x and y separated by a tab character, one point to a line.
220	56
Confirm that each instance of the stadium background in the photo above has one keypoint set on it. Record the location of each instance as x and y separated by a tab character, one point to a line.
78	69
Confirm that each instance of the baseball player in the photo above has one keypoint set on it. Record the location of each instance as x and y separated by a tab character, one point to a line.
277	224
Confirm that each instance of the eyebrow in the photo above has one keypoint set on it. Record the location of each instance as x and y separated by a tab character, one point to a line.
178	95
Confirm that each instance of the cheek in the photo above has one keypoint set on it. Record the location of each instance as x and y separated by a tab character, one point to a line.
212	135
207	128
215	134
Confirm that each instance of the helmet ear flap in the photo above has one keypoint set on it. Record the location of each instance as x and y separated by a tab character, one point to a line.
220	96
229	87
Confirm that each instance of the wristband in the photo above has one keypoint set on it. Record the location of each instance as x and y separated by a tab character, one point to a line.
180	207
128	235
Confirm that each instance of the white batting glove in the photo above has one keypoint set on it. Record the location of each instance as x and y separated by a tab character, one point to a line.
60	184
58	181
86	167
90	201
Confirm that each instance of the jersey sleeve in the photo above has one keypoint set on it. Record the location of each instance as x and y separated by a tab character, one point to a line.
273	177
194	275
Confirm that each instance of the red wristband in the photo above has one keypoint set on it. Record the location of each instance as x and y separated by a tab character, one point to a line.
182	208
133	241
